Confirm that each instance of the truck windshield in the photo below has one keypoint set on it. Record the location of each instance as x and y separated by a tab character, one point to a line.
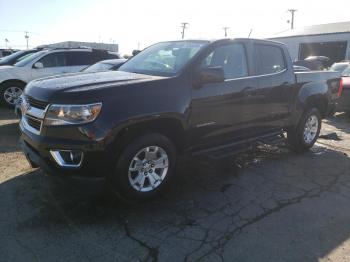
163	59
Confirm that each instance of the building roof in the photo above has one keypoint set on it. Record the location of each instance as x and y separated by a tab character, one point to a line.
332	28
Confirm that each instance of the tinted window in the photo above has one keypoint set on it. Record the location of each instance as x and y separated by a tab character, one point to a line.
270	59
231	58
79	58
53	60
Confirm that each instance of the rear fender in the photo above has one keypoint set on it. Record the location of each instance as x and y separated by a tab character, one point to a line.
311	94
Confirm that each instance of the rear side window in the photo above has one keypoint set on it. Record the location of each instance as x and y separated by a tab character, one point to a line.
270	59
56	59
79	58
231	58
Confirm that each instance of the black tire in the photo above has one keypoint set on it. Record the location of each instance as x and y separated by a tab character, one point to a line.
7	86
295	136
120	177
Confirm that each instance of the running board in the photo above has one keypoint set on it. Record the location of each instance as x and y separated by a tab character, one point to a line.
237	147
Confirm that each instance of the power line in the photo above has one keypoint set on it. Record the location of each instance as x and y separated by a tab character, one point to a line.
292	11
184	26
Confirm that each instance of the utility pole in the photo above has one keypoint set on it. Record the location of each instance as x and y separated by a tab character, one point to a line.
184	26
225	29
6	41
27	39
292	11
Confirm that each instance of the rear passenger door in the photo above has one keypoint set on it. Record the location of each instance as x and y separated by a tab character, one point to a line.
52	64
275	83
78	60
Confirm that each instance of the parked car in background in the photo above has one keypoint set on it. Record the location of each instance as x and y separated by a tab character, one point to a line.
6	52
344	100
17	56
105	65
45	63
340	66
203	98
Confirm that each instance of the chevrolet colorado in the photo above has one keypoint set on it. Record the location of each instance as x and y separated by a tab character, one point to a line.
206	98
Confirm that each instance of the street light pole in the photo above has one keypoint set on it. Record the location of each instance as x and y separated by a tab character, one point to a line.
27	39
225	29
184	26
292	11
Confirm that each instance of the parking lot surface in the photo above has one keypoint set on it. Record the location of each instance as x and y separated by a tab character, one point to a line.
272	205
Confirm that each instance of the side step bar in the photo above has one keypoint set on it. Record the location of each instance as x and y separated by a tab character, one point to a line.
240	146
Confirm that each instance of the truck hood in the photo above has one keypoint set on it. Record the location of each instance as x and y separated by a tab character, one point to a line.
82	83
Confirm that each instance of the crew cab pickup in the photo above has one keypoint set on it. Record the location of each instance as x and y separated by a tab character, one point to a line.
204	98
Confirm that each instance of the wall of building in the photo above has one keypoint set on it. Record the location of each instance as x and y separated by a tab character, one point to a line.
294	42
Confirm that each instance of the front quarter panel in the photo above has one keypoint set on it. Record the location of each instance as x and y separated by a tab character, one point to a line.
132	104
15	73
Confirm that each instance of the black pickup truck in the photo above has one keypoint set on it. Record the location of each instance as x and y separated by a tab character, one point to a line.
205	98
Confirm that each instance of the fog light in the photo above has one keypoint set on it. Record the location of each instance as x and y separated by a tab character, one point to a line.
68	158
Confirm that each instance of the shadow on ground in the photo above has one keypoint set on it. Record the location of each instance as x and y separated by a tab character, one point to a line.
272	206
9	135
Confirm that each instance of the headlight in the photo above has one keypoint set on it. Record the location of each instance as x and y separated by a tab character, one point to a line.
58	115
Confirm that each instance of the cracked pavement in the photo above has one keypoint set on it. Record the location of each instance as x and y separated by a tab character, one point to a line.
270	205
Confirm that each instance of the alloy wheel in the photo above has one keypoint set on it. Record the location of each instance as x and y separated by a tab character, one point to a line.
310	129
148	168
12	95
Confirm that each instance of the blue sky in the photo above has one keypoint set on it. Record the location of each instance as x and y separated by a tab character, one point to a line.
132	23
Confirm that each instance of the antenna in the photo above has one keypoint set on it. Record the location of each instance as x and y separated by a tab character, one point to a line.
250	32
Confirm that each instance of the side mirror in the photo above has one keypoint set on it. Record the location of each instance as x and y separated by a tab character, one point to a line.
210	75
135	52
38	65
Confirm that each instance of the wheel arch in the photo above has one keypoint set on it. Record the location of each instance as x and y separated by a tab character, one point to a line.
21	82
172	128
319	102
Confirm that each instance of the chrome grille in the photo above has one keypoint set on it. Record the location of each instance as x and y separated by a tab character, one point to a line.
34	123
36	103
33	114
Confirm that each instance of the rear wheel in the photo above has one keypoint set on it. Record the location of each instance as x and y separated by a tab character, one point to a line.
304	136
10	93
145	167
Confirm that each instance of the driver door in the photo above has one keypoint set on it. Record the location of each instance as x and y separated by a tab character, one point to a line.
224	111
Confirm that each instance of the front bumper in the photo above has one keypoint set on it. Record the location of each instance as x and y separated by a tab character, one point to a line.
37	150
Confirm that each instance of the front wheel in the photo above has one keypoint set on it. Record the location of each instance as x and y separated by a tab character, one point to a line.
145	167
10	94
304	136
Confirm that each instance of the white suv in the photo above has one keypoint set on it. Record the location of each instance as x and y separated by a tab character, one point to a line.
45	63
